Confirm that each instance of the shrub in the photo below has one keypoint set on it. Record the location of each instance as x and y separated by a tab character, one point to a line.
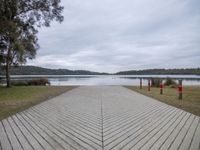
173	86
169	82
19	83
42	81
155	82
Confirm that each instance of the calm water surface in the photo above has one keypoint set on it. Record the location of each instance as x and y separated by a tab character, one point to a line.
106	79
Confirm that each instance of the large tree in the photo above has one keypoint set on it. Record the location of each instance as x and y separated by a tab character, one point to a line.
19	23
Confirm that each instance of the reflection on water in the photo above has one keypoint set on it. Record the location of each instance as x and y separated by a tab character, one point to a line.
107	79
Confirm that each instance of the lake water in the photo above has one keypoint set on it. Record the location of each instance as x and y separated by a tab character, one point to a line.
61	80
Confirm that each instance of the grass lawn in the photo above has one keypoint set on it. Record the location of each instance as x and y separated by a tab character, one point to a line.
190	101
19	98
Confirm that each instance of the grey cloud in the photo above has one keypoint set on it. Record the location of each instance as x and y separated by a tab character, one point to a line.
114	35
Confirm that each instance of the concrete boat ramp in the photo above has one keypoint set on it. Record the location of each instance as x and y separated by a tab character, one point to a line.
101	117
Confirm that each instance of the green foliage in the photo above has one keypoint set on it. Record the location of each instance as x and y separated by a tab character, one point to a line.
19	21
19	83
173	86
155	82
189	71
42	81
33	70
169	82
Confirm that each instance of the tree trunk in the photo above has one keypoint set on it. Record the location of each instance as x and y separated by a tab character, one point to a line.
8	75
8	68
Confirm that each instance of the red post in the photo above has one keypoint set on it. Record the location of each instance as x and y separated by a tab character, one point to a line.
161	88
149	85
180	90
140	83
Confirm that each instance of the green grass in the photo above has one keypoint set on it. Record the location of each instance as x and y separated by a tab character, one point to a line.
190	101
19	98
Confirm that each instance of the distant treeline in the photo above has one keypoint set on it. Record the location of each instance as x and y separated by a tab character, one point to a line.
33	70
190	71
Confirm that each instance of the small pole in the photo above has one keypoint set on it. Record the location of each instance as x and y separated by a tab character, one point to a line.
161	87
149	85
140	83
180	90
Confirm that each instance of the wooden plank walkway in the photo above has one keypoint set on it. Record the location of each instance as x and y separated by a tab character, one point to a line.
101	117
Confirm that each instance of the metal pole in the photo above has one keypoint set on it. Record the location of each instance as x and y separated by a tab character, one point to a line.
180	90
140	83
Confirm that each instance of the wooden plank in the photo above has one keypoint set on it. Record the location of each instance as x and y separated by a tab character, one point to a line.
129	124
195	145
0	145
11	136
122	123
74	116
34	143
43	133
159	142
186	143
178	141
149	140
35	134
5	143
76	137
25	144
101	117
173	135
132	128
66	137
130	137
59	139
76	127
156	124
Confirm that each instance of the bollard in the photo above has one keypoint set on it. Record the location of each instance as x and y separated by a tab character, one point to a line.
140	83
180	90
161	88
149	85
151	82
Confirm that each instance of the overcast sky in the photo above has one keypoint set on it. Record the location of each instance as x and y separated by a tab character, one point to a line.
114	35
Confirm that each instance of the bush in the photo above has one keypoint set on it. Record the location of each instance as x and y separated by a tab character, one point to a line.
170	82
19	83
42	81
155	82
173	86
